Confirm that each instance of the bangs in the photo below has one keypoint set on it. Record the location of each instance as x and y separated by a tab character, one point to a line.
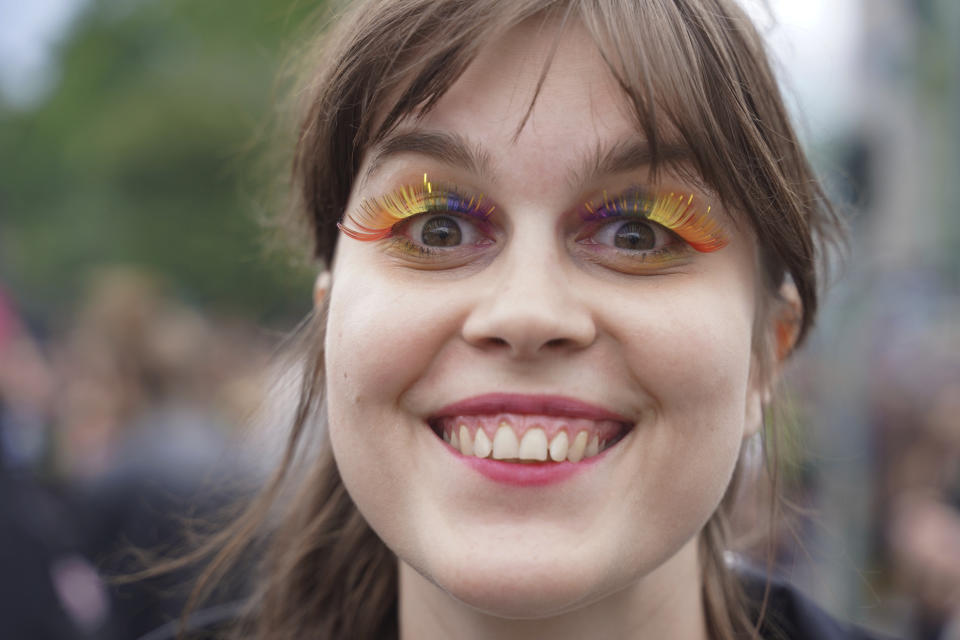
693	72
674	66
690	72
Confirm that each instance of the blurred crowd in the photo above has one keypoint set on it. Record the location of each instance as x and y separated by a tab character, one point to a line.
914	409
123	423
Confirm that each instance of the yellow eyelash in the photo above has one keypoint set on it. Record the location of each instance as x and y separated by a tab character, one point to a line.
378	216
700	229
676	212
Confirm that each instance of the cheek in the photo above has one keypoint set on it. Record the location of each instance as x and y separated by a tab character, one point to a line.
692	358
378	341
382	335
365	335
691	346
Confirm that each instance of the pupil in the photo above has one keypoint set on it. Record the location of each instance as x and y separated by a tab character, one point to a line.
635	235
441	232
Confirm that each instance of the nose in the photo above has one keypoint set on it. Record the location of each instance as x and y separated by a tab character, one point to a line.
530	308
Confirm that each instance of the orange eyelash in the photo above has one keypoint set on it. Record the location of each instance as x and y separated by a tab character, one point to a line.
676	212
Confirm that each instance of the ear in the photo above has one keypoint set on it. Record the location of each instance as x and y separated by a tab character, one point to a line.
787	318
321	287
780	331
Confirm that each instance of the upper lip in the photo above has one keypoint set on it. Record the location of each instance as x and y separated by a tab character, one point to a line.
526	404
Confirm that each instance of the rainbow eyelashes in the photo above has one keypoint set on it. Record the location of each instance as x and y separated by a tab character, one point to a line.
378	216
676	212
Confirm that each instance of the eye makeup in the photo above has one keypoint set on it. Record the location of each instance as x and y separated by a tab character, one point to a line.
439	226
378	218
674	211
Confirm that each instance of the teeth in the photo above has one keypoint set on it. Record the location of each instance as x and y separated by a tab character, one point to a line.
505	444
559	446
454	439
481	445
593	448
533	446
575	454
466	441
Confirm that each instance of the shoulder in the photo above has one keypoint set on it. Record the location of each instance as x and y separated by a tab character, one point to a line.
792	615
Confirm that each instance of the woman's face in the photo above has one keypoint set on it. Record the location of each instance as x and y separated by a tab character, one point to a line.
558	312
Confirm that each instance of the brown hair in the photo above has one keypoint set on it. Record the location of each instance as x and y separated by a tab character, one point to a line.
325	573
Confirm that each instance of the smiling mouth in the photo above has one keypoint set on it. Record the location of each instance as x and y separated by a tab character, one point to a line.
529	438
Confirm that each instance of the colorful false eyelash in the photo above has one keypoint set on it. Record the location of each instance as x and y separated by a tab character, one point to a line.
378	216
676	212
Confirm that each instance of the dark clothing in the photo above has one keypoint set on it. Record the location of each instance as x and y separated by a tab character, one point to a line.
792	616
35	537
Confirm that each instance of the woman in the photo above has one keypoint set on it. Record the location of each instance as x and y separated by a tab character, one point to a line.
569	244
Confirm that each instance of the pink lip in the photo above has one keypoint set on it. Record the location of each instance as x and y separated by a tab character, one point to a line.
527	474
544	405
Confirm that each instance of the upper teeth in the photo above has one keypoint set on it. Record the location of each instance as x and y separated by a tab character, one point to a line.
506	445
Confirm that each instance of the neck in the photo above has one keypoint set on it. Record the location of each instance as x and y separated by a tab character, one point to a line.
666	603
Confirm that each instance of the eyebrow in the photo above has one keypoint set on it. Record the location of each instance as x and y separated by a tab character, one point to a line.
456	150
450	148
624	156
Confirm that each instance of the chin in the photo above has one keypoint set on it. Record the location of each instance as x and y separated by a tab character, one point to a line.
523	590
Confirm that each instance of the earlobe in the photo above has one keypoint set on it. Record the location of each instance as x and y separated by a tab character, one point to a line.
754	413
321	287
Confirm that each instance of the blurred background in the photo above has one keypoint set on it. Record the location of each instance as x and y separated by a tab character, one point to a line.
140	307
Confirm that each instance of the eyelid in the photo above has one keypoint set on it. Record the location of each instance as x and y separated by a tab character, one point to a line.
378	217
677	212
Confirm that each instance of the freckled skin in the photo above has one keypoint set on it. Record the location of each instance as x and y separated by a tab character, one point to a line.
670	349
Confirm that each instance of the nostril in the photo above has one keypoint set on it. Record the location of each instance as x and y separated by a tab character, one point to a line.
553	343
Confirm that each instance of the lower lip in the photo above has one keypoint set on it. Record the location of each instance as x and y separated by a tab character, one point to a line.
528	474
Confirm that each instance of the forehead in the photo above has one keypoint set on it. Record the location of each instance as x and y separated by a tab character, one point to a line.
578	97
579	124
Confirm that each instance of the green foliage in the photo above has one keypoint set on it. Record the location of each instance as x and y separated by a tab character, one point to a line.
147	153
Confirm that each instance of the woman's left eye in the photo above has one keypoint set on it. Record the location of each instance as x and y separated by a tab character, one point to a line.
632	234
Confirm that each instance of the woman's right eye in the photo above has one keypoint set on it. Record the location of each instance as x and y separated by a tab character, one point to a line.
432	223
441	231
445	230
